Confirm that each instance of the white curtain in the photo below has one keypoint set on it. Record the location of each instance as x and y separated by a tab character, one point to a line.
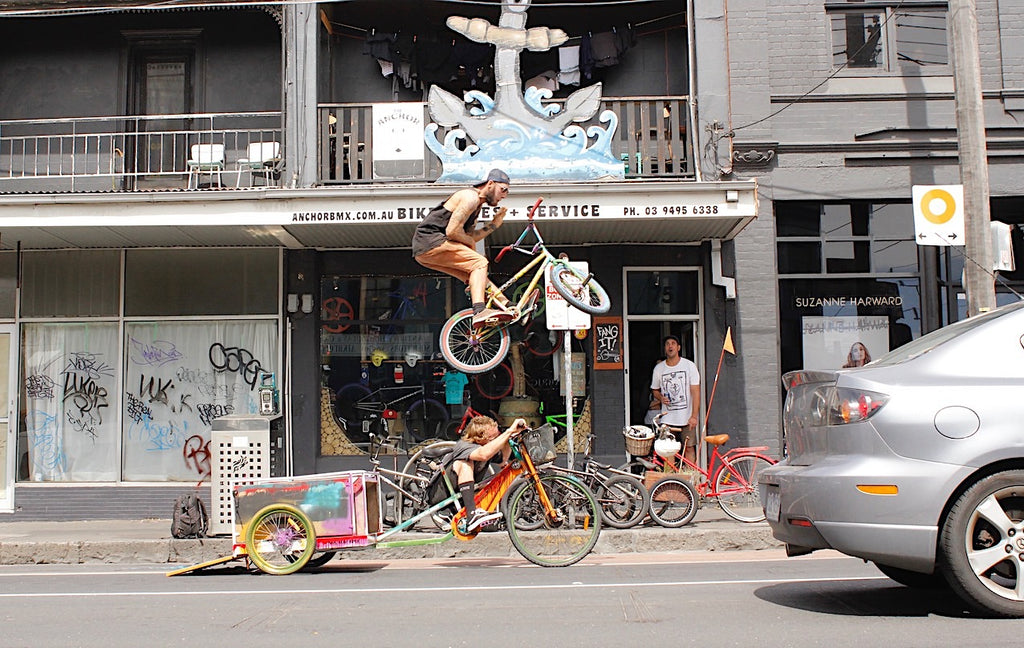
180	376
70	388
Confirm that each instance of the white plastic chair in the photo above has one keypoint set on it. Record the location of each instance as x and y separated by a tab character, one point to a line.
205	158
260	158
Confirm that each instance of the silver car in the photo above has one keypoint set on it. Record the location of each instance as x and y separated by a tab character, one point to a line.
914	462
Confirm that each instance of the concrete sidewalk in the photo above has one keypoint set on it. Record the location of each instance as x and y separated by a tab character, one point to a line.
149	541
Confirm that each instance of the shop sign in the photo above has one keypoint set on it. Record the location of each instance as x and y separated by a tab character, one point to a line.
560	315
607	343
938	214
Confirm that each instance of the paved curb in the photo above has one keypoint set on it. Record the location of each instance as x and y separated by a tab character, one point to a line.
735	536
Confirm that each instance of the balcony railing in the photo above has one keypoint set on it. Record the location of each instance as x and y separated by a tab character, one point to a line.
158	152
135	153
651	140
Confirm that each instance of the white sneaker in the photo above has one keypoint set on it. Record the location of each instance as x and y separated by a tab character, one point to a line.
480	518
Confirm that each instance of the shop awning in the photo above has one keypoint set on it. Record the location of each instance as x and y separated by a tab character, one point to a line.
371	217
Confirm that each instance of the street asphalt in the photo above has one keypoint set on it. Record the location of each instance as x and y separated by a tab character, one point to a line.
149	541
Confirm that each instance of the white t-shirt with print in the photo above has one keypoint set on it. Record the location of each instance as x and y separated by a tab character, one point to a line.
674	383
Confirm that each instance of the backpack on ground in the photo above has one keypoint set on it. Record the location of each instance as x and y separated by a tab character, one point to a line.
189	519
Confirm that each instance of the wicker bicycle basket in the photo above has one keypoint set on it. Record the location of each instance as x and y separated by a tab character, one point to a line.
639	440
540	443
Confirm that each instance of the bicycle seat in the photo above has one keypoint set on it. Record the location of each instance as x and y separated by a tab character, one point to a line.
717	439
432	452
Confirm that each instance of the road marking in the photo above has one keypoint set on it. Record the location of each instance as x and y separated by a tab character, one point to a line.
460	588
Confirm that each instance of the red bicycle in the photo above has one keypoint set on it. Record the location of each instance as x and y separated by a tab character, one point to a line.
731	477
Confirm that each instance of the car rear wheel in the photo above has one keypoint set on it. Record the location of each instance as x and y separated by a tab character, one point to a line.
914	580
982	545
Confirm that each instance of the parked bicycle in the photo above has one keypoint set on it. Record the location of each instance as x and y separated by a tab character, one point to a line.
623	498
730	477
472	350
366	414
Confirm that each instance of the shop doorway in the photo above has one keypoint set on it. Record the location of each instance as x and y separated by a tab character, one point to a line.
659	302
8	453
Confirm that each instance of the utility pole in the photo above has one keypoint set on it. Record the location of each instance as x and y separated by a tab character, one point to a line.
970	133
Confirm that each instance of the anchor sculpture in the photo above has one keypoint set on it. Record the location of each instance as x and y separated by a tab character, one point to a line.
530	140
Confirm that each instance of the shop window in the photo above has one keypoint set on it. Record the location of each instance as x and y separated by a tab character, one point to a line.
898	37
70	283
663	293
202	282
799	258
69	393
180	377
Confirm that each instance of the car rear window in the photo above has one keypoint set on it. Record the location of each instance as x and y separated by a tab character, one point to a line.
926	343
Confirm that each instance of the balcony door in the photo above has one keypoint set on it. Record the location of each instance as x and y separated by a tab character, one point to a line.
160	82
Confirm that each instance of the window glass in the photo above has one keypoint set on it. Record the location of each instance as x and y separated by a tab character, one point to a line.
8	282
70	283
232	281
847	256
835	221
857	39
798	219
69	382
180	377
892	220
921	37
662	293
894	256
799	258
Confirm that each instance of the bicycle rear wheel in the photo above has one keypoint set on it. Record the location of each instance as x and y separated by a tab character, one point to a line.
580	290
470	351
673	502
736	485
425	419
279	539
563	539
624	501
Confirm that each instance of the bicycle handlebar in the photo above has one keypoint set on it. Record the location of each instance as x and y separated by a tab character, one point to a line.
505	249
533	209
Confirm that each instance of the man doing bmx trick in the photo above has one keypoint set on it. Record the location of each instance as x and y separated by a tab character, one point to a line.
446	238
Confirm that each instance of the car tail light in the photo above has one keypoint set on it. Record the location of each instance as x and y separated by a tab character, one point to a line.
854	405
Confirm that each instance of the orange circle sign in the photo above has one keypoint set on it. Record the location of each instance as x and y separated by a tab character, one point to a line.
948	202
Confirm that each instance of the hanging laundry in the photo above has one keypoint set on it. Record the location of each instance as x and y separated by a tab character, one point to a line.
569	65
434	59
546	79
380	45
387	68
586	56
605	49
626	35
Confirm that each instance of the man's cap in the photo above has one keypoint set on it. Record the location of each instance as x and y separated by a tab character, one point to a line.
671	337
496	175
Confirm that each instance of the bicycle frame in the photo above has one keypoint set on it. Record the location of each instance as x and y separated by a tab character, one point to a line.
716	463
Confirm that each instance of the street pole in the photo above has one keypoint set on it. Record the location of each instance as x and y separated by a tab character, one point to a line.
970	129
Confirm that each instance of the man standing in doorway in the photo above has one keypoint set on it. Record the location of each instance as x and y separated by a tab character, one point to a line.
676	383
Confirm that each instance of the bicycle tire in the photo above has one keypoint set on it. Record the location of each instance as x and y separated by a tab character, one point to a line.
471	352
569	282
736	486
501	381
424	419
347	415
320	560
538	346
625	501
280	539
556	542
673	502
417	465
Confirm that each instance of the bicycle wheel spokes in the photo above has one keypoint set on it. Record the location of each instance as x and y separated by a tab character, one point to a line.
580	290
736	486
673	502
624	501
279	539
471	351
560	539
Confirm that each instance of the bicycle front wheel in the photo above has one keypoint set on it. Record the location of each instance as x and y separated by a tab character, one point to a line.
471	351
673	502
579	289
562	538
624	501
425	419
736	485
280	539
